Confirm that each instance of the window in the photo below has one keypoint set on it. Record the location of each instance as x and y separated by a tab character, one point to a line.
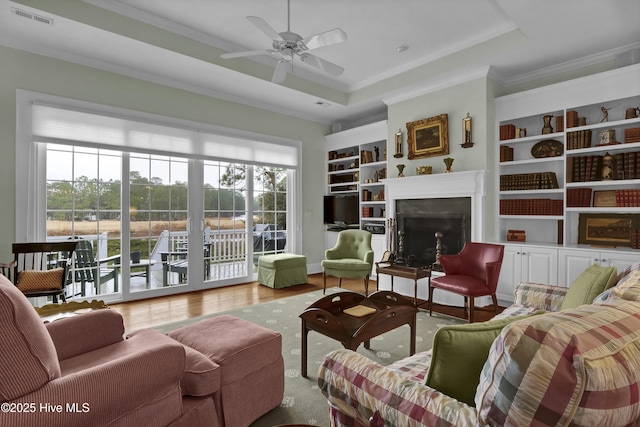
167	203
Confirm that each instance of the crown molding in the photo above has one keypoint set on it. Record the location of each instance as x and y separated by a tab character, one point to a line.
436	85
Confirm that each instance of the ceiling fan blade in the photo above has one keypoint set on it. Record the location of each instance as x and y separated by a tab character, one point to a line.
324	39
264	27
282	68
323	64
247	53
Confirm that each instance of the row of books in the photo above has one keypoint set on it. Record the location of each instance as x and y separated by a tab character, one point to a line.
368	196
506	153
589	168
508	132
579	197
579	139
627	198
531	207
529	181
367	212
631	135
366	156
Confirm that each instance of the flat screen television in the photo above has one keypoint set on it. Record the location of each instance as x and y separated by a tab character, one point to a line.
341	210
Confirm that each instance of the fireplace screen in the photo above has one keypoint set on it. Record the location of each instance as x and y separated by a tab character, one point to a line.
418	221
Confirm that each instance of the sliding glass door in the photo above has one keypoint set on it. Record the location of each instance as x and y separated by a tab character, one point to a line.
157	205
84	204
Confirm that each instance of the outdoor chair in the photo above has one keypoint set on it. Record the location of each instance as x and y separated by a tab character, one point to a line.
472	273
177	262
40	269
87	269
350	258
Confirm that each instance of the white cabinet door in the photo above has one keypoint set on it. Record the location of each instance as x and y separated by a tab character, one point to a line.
540	265
526	264
619	260
510	273
573	262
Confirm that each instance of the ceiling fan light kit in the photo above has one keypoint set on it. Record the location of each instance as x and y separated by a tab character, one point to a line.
288	44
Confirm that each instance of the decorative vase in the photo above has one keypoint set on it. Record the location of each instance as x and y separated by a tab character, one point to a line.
400	170
448	162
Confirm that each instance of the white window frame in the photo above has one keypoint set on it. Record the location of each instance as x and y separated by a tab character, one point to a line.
30	203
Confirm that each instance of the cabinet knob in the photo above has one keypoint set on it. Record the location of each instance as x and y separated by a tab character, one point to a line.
596	260
603	260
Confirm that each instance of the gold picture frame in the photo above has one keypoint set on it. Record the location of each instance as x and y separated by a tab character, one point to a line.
428	137
605	229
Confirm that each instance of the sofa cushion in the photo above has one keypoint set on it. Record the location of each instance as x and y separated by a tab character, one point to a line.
40	280
555	369
629	289
201	375
458	354
588	286
28	355
622	277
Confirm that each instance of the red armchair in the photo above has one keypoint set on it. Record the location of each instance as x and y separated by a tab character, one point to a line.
472	273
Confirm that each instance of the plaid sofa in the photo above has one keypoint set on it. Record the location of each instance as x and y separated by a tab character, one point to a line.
578	367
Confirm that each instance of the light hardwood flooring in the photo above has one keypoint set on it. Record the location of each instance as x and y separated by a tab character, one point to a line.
158	311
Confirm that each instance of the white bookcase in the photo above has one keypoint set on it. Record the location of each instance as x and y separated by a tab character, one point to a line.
349	171
617	91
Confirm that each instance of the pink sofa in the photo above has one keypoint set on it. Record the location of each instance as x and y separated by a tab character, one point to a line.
80	371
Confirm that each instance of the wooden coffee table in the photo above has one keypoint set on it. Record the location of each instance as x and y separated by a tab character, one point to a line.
326	316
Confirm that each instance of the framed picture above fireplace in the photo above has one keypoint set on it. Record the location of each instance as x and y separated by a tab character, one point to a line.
428	137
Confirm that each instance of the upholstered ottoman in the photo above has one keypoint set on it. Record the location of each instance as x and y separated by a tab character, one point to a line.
250	358
282	270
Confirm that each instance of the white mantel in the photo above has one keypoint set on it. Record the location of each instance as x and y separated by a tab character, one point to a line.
455	184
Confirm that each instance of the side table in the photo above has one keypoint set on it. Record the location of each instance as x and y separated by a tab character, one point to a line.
413	273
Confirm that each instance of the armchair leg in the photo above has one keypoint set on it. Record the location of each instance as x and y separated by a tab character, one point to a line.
324	283
495	302
340	282
471	309
430	300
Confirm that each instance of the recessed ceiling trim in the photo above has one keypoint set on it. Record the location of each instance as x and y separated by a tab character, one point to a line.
570	65
435	85
434	56
161	80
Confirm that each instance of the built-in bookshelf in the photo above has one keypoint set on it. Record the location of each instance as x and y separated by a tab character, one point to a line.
357	164
566	150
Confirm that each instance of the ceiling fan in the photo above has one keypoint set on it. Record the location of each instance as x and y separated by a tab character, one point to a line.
288	44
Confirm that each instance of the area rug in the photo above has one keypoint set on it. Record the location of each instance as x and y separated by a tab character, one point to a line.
303	402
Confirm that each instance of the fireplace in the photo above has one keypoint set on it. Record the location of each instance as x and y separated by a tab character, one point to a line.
418	221
451	203
424	204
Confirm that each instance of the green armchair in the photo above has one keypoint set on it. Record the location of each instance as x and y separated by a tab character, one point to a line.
350	258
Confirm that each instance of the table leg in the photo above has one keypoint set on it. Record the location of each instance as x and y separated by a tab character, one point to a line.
415	292
305	331
412	338
391	283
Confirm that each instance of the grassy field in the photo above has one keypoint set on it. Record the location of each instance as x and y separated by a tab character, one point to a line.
138	228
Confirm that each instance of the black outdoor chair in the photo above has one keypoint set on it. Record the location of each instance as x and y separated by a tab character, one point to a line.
40	269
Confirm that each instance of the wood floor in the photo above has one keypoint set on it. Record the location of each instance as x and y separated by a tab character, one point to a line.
158	311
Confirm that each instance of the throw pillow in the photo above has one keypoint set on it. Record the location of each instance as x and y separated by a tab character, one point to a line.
458	355
588	286
39	280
